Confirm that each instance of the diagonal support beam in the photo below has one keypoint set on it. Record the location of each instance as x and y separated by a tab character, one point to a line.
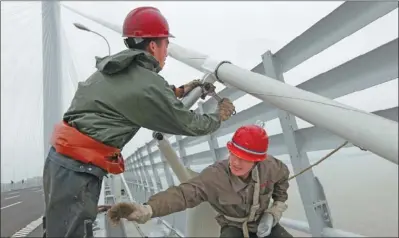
307	183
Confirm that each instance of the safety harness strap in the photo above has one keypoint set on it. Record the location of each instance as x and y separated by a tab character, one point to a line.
254	207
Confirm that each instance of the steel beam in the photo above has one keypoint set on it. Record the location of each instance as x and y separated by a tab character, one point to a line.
345	20
299	160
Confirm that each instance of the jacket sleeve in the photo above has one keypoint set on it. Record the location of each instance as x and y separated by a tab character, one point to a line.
178	198
281	186
160	110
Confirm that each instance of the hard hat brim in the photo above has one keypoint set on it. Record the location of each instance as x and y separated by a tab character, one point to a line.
244	155
149	36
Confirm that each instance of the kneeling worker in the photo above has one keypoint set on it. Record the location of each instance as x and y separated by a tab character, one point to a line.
238	188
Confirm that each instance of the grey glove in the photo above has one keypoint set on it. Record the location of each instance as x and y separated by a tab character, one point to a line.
276	210
265	225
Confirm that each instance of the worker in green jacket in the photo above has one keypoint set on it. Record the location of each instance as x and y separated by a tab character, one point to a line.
123	95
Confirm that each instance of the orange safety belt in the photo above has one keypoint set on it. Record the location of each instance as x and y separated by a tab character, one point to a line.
72	143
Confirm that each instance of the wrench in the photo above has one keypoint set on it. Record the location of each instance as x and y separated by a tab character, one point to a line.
211	92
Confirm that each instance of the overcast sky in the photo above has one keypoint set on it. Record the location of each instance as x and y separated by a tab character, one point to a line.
235	31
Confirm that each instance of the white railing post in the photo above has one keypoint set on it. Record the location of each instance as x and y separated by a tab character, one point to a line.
116	187
137	178
150	184
153	167
182	151
143	178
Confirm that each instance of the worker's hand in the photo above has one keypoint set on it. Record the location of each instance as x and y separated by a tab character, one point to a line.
207	89
130	211
191	85
265	225
103	208
226	109
276	210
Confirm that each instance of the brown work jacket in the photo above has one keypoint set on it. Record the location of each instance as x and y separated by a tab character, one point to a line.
226	193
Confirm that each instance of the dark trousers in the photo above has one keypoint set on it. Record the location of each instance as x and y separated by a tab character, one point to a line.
232	231
71	198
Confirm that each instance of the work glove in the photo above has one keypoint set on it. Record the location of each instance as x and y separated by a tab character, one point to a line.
191	85
103	208
276	210
265	225
226	109
130	211
210	89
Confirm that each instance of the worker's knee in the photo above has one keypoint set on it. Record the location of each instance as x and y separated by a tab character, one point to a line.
230	231
279	231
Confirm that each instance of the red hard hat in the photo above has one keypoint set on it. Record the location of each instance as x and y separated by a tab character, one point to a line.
145	22
249	143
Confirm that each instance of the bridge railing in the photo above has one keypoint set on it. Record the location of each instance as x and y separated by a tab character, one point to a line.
148	170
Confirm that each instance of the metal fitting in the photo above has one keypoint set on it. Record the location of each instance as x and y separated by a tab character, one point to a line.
157	135
211	66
